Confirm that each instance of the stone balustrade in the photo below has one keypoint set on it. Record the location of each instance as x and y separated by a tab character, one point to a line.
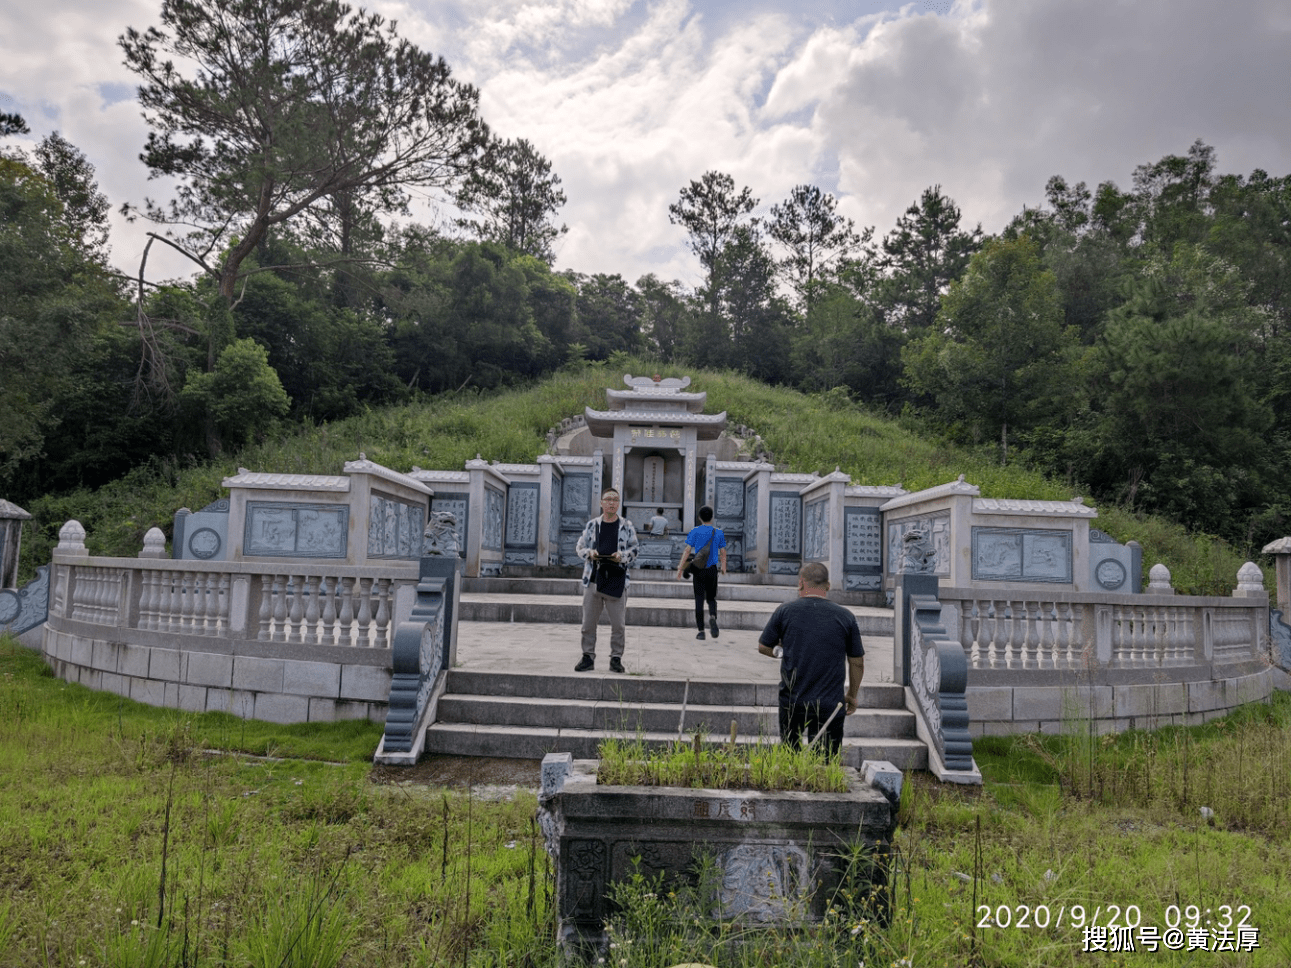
1072	631
285	641
1041	661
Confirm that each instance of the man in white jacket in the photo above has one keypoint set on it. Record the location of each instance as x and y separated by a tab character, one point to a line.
608	547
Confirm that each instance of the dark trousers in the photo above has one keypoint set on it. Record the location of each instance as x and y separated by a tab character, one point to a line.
705	582
795	720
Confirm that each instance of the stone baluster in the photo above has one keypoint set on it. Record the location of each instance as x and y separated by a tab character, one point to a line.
310	631
199	602
328	588
1070	652
346	619
1030	637
998	654
1048	635
970	622
264	618
382	620
363	588
280	592
156	585
296	589
217	604
1015	636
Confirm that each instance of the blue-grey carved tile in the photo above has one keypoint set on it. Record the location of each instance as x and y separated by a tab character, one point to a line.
751	514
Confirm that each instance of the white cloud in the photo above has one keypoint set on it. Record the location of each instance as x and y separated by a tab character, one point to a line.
631	99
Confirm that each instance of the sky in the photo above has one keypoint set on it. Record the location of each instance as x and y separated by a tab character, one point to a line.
872	102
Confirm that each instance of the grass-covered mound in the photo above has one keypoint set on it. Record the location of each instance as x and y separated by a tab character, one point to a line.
804	433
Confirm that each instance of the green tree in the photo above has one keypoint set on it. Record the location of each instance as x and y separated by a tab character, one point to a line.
816	239
242	397
921	257
711	210
609	315
55	296
288	103
517	194
999	360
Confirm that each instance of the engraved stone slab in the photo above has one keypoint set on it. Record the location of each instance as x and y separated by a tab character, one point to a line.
815	530
1019	554
394	528
288	530
751	514
494	503
522	516
729	502
862	548
936	526
457	505
786	523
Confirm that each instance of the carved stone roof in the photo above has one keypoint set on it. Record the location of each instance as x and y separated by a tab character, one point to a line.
601	423
11	512
365	466
288	482
1070	509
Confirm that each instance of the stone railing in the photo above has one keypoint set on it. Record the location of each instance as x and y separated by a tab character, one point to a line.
302	605
288	641
1063	632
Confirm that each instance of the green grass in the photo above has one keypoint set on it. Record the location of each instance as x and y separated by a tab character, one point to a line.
631	762
125	841
804	433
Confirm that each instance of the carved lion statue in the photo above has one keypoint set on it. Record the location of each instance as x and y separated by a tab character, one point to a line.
918	556
440	538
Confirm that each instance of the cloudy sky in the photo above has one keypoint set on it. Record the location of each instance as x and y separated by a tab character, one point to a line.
631	99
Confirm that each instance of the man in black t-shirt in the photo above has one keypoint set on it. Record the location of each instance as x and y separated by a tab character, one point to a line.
819	646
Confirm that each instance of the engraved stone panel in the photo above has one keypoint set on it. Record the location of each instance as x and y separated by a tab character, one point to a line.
522	516
576	501
394	528
862	548
751	515
494	502
652	475
815	531
553	526
730	498
786	523
1017	554
936	526
457	504
286	530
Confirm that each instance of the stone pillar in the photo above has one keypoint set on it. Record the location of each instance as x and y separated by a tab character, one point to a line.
546	551
1281	552
11	519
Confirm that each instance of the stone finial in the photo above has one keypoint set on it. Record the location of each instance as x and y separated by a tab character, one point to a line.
154	544
1159	580
1250	581
71	538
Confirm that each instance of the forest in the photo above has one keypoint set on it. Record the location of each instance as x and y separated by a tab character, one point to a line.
1132	341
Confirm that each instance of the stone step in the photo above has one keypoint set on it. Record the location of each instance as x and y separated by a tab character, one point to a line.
534	742
730	589
612	688
618	717
642	611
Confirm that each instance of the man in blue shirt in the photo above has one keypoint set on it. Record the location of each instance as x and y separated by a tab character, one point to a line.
704	573
819	646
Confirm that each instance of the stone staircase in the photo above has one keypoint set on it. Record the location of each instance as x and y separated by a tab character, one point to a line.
525	712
